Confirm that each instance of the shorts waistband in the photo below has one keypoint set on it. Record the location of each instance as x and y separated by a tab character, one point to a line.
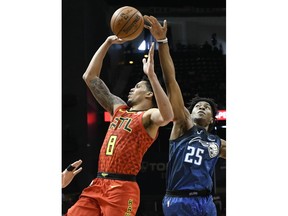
188	193
115	176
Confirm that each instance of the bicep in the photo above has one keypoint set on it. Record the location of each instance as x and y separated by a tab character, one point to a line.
154	117
223	149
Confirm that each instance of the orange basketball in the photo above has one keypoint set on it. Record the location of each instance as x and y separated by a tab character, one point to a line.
127	23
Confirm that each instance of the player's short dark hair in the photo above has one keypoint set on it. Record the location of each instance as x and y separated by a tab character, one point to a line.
149	87
212	103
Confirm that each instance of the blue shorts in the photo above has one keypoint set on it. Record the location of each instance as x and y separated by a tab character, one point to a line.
189	206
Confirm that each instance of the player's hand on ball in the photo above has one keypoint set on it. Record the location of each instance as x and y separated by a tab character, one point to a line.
113	39
156	29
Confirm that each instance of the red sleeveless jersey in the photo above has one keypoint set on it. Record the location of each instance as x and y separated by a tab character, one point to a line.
125	143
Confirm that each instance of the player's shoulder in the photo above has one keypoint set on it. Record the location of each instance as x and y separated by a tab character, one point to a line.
119	107
150	111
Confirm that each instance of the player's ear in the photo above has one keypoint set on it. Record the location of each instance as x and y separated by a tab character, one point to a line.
211	120
150	94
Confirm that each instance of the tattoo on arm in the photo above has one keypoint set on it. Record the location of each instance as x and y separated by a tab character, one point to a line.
103	95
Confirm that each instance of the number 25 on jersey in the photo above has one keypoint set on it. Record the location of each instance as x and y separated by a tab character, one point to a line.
194	155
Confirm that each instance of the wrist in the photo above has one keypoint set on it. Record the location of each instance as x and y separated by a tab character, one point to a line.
151	76
165	40
109	40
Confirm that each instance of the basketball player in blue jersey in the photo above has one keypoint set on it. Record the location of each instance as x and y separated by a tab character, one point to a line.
193	151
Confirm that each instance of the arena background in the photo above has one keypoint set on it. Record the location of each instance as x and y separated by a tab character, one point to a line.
197	38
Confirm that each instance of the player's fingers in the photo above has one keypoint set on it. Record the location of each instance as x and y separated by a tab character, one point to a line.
151	51
165	24
77	171
77	163
147	26
153	19
147	19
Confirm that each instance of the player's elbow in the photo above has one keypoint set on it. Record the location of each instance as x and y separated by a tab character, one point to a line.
168	118
85	77
171	117
170	114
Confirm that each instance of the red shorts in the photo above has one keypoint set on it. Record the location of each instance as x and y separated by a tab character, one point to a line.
107	197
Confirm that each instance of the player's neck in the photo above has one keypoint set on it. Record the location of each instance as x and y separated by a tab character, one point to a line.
143	106
202	126
131	109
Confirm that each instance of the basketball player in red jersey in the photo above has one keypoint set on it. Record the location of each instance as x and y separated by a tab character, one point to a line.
133	129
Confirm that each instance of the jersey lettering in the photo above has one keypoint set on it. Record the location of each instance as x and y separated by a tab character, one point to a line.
121	122
194	155
111	145
129	208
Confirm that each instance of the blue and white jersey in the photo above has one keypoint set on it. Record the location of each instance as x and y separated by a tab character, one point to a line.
192	158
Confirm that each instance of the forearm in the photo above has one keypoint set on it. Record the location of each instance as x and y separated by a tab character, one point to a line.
95	65
162	100
167	66
172	86
166	62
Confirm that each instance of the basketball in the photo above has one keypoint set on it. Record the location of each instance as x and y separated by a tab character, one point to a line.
127	23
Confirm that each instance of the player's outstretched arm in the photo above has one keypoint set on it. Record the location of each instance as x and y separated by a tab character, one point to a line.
159	32
181	114
91	77
164	114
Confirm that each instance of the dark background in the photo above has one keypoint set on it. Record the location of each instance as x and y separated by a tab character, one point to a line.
197	38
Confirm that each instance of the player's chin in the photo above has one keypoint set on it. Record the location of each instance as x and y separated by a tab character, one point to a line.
129	102
201	117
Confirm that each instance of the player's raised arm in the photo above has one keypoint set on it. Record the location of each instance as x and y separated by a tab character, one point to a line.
164	114
92	77
181	114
